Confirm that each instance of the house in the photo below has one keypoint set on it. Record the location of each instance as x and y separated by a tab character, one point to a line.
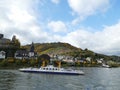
22	54
25	54
100	61
2	55
88	59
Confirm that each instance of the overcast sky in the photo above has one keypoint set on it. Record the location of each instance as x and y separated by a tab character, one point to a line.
92	24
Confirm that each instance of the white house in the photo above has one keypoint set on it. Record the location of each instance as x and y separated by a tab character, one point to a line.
100	60
88	59
2	55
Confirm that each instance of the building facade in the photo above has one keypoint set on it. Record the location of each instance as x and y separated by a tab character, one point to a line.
26	54
2	55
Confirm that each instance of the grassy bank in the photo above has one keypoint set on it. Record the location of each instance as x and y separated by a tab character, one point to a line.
16	63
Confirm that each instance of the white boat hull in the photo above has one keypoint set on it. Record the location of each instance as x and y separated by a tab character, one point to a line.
65	72
106	66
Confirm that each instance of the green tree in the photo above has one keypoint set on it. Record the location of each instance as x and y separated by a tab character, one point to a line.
4	63
15	41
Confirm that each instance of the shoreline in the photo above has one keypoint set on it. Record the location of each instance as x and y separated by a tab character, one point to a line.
24	66
16	64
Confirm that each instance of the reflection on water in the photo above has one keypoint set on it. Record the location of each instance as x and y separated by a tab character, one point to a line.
94	79
6	80
102	78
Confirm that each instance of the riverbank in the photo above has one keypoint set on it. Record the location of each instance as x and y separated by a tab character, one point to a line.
16	64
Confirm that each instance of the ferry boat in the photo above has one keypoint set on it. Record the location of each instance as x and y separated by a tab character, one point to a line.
105	65
50	69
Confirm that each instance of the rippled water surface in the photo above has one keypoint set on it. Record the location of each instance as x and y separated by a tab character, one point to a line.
94	79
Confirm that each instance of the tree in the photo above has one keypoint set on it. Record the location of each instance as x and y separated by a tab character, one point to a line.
15	41
86	49
44	57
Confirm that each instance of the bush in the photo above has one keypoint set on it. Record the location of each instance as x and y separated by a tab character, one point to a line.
10	60
113	64
4	63
18	62
32	62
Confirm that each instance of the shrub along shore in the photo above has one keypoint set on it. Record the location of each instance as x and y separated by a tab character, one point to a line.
11	63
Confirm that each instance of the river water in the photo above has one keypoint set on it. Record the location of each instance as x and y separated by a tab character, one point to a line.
94	79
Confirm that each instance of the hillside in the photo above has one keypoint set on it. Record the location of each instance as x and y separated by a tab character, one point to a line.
66	49
53	48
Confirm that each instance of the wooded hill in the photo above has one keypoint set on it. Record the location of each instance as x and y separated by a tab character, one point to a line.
59	48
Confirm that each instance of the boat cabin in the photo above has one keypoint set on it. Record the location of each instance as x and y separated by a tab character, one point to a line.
50	67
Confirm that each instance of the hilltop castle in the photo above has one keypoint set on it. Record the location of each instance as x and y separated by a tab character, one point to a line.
8	47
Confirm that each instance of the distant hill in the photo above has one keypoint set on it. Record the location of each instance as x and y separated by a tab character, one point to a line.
60	48
53	48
